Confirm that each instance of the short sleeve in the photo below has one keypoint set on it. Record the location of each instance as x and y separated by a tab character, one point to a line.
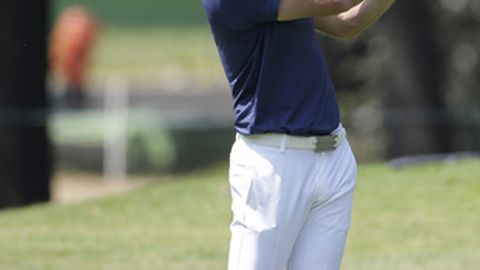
245	13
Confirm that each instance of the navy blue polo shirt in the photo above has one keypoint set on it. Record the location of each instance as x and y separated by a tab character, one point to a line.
277	70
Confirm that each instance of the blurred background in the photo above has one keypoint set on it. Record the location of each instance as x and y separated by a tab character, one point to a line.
119	90
103	97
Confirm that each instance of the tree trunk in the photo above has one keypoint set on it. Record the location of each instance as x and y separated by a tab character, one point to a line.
24	145
416	117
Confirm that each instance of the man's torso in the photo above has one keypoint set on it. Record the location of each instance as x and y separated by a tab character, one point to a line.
276	70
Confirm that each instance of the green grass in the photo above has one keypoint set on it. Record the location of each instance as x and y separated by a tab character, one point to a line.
424	217
171	225
140	12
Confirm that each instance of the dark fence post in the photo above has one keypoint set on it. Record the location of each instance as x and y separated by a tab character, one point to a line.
25	164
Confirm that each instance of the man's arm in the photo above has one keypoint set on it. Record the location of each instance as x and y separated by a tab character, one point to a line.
298	9
352	22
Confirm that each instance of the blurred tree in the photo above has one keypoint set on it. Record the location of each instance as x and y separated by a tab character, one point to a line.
421	64
24	147
457	28
415	110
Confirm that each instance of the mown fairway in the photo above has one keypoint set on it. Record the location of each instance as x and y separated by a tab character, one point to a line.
140	12
420	218
163	57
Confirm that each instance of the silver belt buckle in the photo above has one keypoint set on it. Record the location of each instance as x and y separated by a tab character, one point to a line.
326	143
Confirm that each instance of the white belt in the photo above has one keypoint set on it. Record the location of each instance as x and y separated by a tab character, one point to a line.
316	143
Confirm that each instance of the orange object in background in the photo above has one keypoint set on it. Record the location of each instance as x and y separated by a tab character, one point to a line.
72	38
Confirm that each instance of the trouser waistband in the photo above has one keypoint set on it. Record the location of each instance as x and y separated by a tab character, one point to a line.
283	141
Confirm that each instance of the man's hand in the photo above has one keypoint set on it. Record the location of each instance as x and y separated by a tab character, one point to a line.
352	22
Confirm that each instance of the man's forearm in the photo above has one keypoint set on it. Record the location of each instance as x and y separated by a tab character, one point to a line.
355	20
367	12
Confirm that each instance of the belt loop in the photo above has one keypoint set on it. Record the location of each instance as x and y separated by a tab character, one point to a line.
283	143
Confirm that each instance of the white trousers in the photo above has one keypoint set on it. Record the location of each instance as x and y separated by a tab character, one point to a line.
291	208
